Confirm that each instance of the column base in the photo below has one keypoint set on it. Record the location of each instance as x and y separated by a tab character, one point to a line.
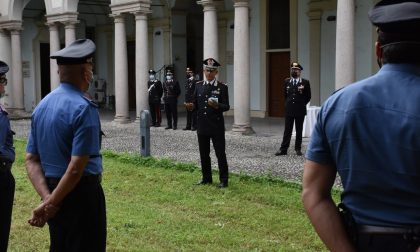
243	129
122	119
15	113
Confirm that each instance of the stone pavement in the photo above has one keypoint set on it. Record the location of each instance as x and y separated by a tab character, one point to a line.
253	155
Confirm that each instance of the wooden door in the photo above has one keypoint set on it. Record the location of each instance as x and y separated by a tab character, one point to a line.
279	65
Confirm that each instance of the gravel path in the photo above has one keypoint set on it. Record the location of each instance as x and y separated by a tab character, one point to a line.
253	155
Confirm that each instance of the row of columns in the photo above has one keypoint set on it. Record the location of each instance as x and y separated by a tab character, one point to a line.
14	60
121	65
70	36
242	123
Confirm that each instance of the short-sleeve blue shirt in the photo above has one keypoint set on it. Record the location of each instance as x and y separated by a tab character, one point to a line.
370	131
7	151
65	124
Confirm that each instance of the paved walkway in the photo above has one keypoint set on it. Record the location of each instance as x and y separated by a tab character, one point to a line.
245	154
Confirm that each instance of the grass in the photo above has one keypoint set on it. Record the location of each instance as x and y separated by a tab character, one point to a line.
152	205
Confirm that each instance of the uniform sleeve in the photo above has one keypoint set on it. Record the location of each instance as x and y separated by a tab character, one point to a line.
224	103
285	82
318	148
86	128
308	92
7	151
32	147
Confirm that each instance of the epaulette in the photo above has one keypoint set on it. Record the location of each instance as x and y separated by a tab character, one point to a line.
199	82
91	102
219	82
3	110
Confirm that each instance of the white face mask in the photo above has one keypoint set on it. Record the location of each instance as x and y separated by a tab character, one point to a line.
168	77
151	77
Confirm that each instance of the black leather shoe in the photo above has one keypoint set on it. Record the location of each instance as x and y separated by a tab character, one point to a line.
280	153
169	127
174	128
193	129
298	152
203	182
223	185
186	128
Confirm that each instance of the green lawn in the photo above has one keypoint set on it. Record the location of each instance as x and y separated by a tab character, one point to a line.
152	205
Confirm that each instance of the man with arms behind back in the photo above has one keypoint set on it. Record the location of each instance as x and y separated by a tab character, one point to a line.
63	158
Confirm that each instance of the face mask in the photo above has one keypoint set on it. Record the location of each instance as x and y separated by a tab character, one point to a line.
151	77
168	77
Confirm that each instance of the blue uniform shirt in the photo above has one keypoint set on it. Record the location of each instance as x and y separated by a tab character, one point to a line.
370	131
7	151
65	124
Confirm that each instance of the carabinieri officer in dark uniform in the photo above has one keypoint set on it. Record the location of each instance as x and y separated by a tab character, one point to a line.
155	93
297	93
171	91
63	157
7	157
211	100
189	98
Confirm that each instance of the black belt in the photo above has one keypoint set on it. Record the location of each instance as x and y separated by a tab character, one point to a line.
87	179
367	229
5	165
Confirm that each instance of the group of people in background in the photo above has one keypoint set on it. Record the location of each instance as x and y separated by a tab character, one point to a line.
367	132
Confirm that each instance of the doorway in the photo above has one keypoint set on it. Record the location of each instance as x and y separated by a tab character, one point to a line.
44	49
131	57
278	71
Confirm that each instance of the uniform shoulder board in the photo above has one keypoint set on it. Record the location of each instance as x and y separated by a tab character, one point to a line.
3	110
287	80
200	82
92	103
221	83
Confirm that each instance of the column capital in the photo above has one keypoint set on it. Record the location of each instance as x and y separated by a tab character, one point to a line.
141	15
118	18
68	17
70	23
131	7
12	25
240	3
210	5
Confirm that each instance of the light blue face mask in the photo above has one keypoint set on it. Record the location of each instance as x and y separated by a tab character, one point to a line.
168	77
151	77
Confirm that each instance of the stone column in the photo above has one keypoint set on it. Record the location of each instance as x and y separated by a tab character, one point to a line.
315	55
54	46
16	69
210	34
121	71
5	55
345	52
70	29
142	63
241	66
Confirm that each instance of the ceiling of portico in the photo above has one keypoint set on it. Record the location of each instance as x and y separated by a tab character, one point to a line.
36	8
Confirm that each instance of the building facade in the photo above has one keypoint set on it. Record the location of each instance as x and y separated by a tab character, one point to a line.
254	40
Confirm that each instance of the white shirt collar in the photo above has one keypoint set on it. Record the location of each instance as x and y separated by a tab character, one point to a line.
212	83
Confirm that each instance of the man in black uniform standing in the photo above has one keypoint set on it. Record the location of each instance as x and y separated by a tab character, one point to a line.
171	91
297	93
7	157
211	99
155	93
189	97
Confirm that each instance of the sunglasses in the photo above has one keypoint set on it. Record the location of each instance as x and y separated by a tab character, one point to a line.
3	81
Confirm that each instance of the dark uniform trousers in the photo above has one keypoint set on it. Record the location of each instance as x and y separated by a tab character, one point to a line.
219	142
288	128
80	224
171	110
386	242
296	100
7	192
191	119
155	114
